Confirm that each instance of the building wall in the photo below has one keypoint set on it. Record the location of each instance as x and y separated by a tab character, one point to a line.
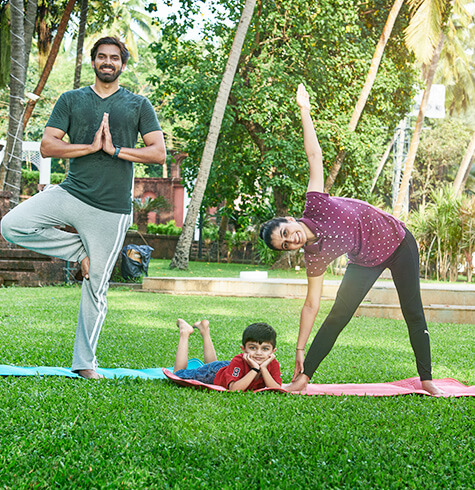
170	188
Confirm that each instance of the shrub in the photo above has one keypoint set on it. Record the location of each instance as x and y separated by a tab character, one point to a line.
142	208
266	255
445	230
169	228
31	178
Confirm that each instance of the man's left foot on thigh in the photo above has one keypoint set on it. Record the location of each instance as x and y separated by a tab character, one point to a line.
89	374
85	263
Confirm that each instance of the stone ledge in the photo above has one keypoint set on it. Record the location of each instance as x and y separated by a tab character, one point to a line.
433	313
383	292
456	306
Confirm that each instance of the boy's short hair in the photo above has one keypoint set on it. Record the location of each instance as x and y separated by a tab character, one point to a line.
259	332
115	41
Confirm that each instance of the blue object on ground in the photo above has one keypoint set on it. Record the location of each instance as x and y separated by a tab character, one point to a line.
150	373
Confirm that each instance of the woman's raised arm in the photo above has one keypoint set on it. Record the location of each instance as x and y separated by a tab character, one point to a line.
310	141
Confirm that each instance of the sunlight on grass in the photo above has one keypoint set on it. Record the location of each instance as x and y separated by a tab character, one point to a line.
133	433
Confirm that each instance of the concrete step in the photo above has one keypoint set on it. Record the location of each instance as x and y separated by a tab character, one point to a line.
433	312
438	294
383	292
215	286
448	303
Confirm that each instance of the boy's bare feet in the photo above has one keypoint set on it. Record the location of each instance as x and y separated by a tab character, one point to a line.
202	326
428	385
184	327
85	267
89	374
298	384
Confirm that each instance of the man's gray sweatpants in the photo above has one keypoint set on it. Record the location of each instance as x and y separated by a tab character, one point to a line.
100	237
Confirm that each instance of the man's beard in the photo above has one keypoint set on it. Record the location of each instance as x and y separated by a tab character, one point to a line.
107	77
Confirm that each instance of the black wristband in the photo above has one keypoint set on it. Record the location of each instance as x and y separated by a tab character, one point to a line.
115	156
256	370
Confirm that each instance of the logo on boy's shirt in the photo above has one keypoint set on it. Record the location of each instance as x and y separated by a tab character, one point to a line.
236	372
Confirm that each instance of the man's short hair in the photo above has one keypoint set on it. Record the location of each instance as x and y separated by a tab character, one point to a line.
115	41
259	332
268	228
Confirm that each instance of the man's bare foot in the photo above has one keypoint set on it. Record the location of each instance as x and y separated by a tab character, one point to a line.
89	374
85	267
298	384
428	385
202	326
184	327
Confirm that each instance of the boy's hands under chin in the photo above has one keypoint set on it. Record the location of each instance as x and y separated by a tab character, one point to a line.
251	362
268	361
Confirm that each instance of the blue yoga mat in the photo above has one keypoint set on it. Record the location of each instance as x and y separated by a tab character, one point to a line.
150	373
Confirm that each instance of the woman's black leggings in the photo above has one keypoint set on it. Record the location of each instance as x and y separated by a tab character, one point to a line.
357	281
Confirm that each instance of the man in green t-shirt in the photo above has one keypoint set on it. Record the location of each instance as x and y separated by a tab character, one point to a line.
103	122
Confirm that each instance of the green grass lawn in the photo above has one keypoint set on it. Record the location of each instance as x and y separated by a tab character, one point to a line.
160	268
72	433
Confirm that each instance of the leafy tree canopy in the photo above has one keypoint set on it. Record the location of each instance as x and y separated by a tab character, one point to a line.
326	45
443	145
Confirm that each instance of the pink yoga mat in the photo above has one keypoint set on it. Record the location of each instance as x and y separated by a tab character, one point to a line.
451	387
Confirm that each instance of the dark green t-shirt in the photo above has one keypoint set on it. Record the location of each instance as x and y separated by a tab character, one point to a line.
97	179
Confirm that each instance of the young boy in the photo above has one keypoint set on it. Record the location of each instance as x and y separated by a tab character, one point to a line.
256	367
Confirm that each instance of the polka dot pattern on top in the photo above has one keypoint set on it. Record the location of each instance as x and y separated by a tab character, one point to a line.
342	225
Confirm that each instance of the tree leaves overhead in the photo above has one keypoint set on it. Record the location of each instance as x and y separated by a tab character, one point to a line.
326	45
429	18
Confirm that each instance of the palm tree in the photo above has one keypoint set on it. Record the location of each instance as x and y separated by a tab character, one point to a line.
63	24
21	28
79	50
429	21
465	166
130	22
370	78
4	43
411	154
148	205
457	65
182	251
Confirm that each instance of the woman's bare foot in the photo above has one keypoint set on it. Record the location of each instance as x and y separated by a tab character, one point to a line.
85	267
89	374
184	327
298	384
428	385
202	326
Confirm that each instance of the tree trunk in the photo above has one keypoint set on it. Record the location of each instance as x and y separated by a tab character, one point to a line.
11	170
215	249
411	154
279	200
79	50
182	252
51	59
465	166
382	162
370	78
21	34
4	45
29	29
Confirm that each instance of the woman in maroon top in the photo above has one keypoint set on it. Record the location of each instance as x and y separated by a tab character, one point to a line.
372	239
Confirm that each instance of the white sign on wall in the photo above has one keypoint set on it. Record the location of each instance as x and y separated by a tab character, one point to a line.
436	104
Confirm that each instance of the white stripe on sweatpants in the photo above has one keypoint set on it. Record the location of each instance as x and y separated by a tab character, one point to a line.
123	226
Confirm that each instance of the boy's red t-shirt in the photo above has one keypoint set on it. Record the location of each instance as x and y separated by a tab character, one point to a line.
238	368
